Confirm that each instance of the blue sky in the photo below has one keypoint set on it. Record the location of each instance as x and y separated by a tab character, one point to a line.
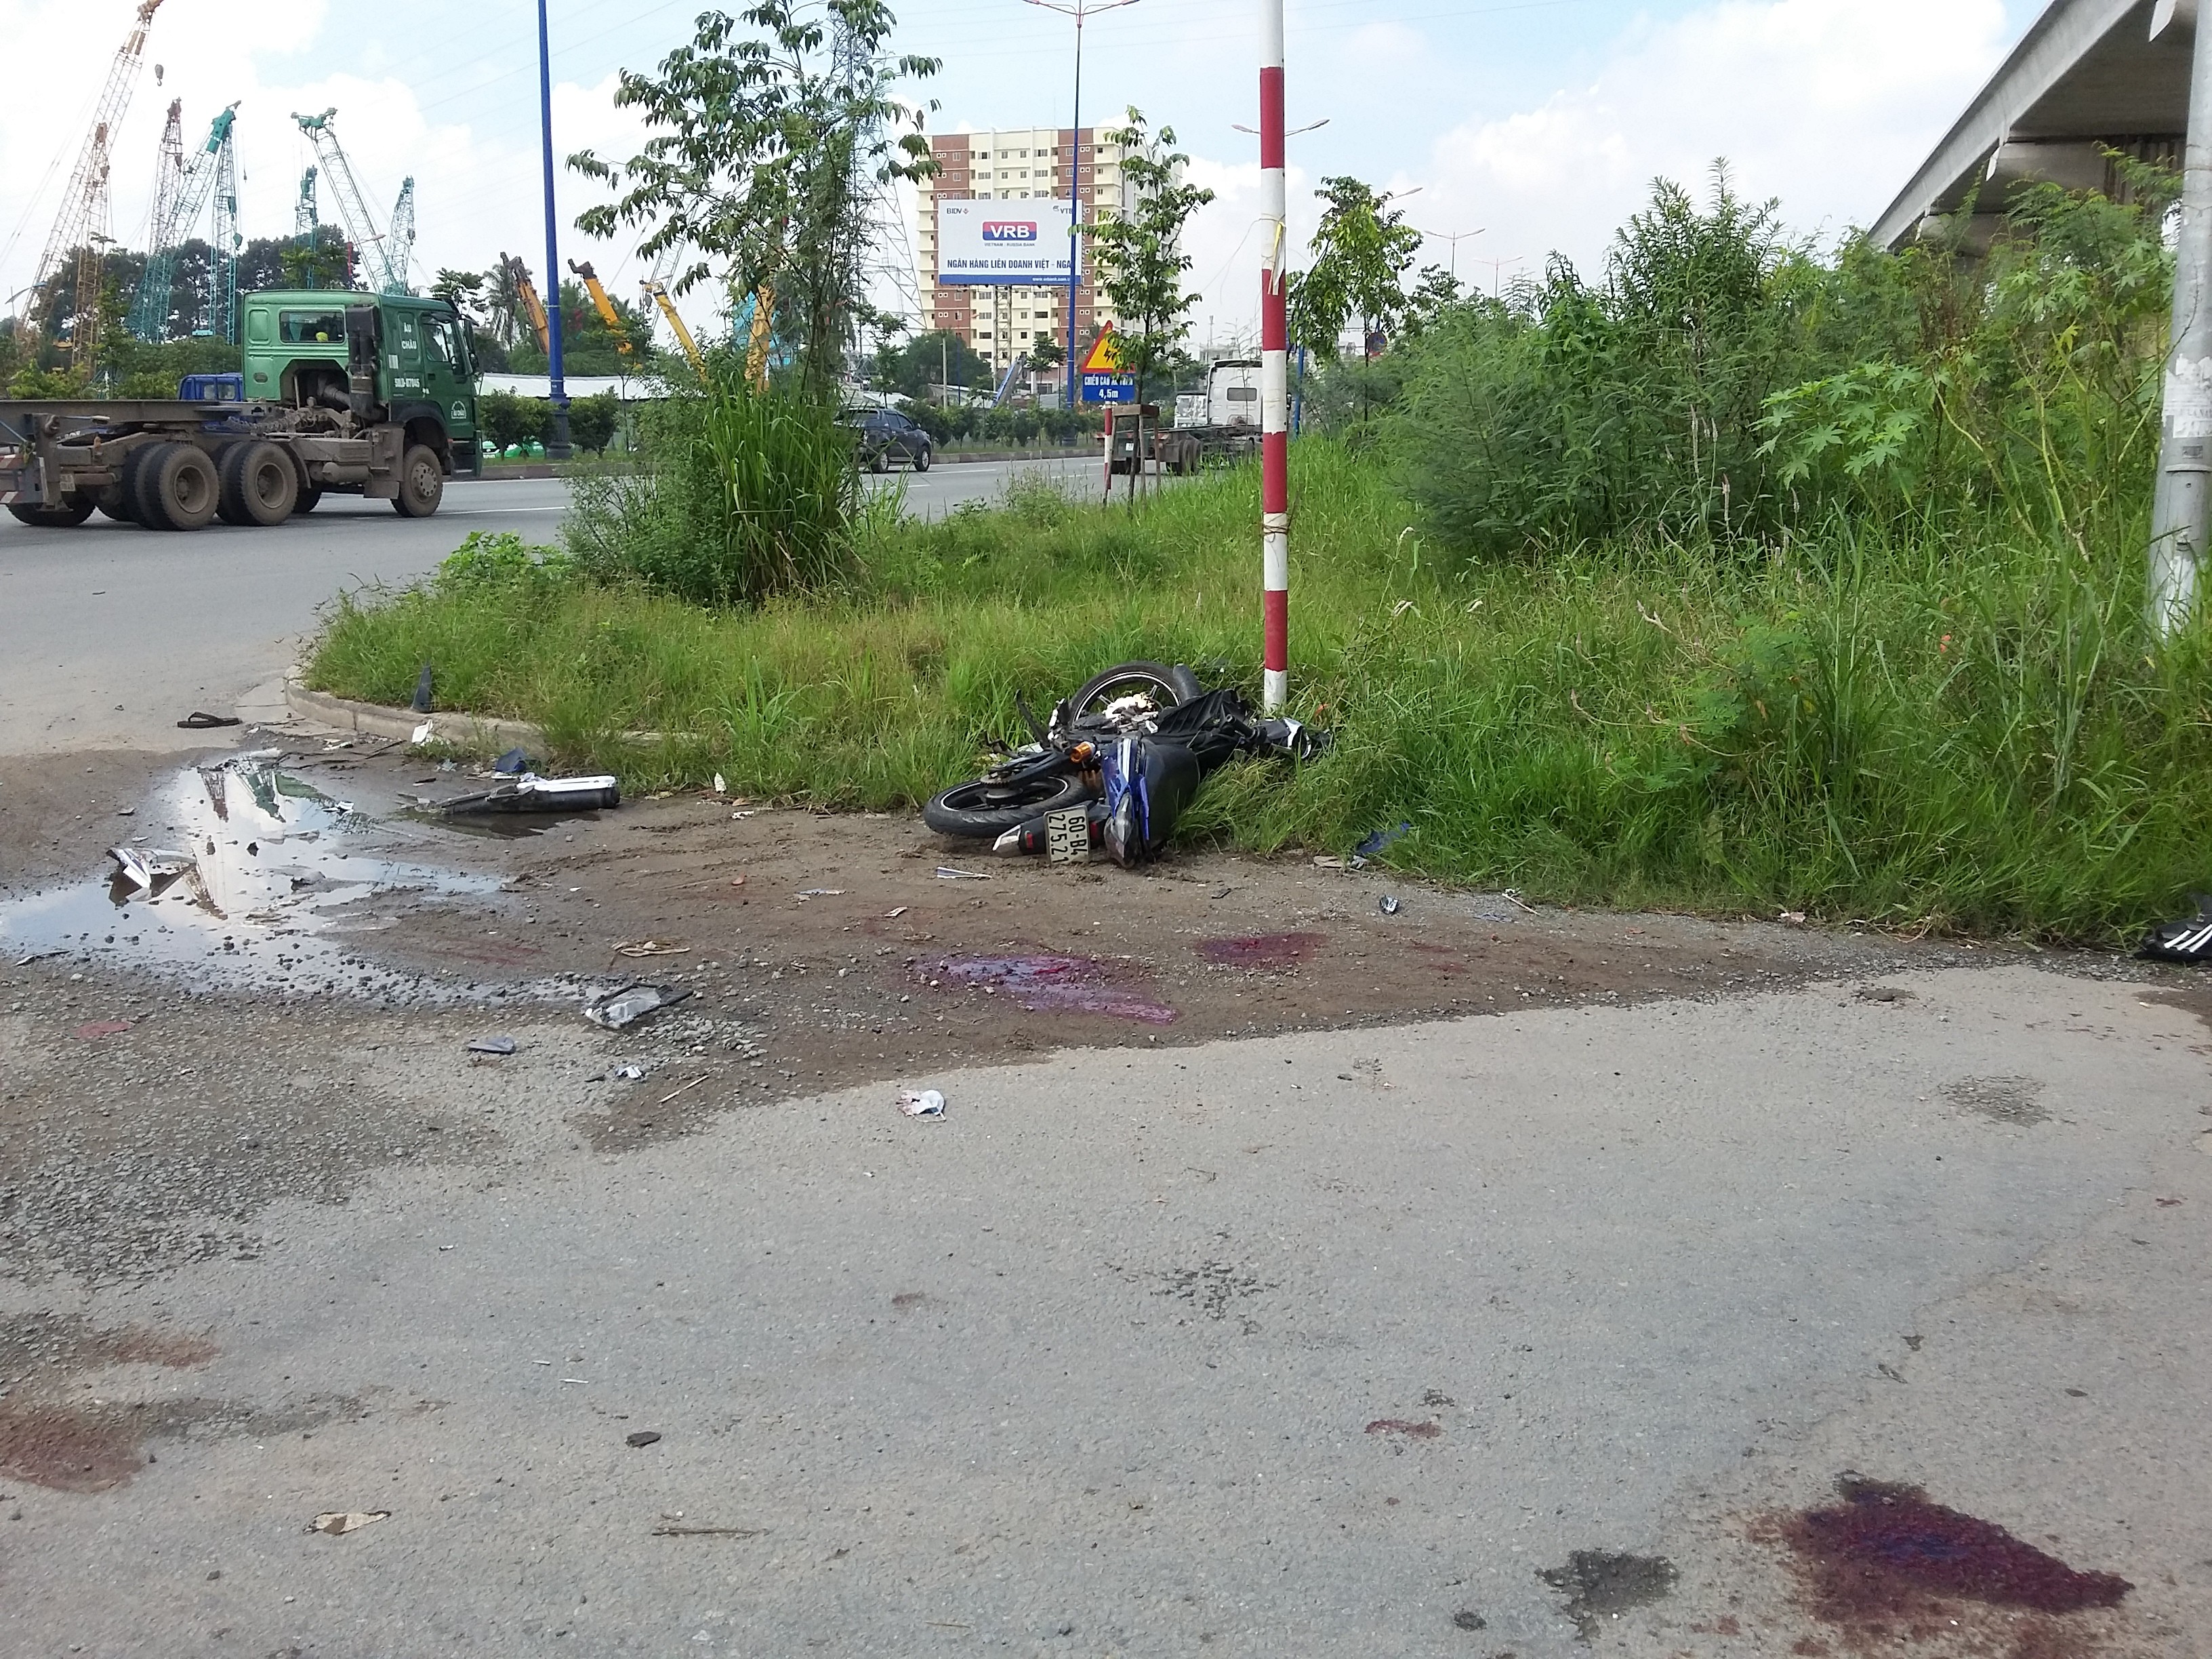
1539	122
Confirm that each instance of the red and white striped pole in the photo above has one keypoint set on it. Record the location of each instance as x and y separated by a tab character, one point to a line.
1274	371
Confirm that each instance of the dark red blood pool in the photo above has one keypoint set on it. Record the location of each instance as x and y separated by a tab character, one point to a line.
1054	984
1262	949
1884	1549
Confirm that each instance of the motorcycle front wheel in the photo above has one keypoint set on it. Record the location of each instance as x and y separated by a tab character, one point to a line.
987	810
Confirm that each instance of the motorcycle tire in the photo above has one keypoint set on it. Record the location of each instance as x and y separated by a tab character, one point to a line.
1167	686
985	809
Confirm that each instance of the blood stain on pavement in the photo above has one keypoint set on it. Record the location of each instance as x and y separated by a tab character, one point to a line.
1045	983
1262	949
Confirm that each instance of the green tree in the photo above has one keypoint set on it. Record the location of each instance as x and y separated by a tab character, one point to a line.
927	360
775	129
591	422
1362	249
1140	259
463	290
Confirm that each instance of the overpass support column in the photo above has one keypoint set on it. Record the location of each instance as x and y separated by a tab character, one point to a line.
2185	457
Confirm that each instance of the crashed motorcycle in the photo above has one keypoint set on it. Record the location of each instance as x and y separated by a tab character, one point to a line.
1129	750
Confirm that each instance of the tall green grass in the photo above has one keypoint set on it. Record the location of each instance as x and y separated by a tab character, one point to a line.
1918	729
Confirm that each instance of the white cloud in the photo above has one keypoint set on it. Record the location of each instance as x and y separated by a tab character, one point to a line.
472	150
1827	104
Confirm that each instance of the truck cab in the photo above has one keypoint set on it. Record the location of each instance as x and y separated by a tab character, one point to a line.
407	358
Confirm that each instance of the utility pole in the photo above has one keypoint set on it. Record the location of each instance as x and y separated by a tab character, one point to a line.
1274	374
559	449
1079	10
2185	457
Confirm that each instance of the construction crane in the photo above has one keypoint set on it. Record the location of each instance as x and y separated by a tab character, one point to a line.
518	273
224	245
606	306
168	171
177	211
305	213
402	232
82	225
387	275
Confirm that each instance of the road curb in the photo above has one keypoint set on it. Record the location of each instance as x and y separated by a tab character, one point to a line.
374	720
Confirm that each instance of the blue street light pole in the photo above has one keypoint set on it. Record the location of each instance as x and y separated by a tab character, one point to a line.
559	448
1079	11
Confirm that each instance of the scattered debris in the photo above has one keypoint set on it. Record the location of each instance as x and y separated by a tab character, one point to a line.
1512	896
1387	905
626	1003
682	1089
946	872
1791	918
338	1522
200	720
893	914
822	892
493	1045
653	947
674	1531
1469	1619
514	763
642	1437
628	1074
420	735
755	813
721	788
2189	940
1379	840
921	1103
1423	1430
146	869
529	793
422	687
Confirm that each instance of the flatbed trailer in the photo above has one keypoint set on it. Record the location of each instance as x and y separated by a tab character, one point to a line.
366	394
169	465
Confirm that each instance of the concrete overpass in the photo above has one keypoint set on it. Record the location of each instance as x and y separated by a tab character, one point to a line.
2088	76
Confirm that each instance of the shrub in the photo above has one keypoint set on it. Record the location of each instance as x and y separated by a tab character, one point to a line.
739	495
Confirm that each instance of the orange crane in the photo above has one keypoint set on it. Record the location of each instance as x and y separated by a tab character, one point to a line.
80	227
608	314
534	307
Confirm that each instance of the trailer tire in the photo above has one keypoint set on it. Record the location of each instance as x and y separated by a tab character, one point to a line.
422	482
310	495
61	516
178	488
259	484
114	501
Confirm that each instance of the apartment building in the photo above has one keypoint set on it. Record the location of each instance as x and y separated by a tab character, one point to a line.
998	321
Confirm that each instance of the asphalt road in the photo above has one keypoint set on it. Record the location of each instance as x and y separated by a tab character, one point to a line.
1332	1343
110	634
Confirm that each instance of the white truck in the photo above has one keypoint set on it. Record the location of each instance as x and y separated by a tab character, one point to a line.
1218	426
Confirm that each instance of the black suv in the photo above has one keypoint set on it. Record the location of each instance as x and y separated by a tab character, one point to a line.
880	435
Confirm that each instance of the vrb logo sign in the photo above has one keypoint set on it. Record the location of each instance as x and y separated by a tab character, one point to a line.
1010	230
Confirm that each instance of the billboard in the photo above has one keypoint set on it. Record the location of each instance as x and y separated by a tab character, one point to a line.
1023	241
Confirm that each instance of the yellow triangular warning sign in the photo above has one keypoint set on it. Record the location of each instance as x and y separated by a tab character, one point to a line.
1105	355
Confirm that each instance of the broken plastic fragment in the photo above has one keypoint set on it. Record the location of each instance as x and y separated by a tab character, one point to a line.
494	1045
628	1004
338	1522
921	1103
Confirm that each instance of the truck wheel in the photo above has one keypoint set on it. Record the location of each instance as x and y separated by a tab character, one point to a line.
114	501
177	488
62	516
421	483
259	485
310	495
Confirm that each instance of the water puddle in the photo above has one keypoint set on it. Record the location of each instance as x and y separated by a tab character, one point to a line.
1054	984
244	875
1262	949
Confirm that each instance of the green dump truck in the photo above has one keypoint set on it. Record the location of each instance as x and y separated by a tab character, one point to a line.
366	394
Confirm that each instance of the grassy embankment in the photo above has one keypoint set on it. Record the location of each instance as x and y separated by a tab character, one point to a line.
1917	731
